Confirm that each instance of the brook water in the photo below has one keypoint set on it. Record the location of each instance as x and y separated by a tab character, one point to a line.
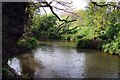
60	59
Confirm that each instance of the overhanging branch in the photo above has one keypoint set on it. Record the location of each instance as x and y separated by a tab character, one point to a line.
68	30
102	5
46	4
51	8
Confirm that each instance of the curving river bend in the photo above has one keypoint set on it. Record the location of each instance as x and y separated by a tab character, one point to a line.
60	59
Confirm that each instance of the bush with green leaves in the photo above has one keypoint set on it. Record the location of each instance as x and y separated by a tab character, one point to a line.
83	43
54	36
113	47
28	43
43	24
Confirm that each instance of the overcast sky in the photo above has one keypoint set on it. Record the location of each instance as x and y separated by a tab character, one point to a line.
77	4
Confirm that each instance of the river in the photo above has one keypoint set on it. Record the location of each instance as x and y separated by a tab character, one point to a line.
60	59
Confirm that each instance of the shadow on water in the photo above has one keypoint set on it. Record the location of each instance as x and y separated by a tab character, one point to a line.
57	60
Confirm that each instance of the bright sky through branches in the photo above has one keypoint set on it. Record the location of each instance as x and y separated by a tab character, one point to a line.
79	4
76	5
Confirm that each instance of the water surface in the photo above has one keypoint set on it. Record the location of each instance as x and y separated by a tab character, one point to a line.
60	59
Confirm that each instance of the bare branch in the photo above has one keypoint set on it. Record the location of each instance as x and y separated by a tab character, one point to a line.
66	4
67	11
46	4
68	30
44	11
102	5
60	26
51	8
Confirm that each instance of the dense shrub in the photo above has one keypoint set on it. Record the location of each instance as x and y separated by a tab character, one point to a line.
36	32
28	43
81	43
54	36
113	47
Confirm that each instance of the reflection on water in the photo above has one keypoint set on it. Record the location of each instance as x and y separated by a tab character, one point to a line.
53	61
15	63
60	62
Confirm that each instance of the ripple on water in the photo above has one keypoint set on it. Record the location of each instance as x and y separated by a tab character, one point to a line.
65	62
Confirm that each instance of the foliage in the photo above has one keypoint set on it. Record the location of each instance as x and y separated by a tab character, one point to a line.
85	33
54	36
96	23
113	46
50	26
100	23
83	43
43	24
28	43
